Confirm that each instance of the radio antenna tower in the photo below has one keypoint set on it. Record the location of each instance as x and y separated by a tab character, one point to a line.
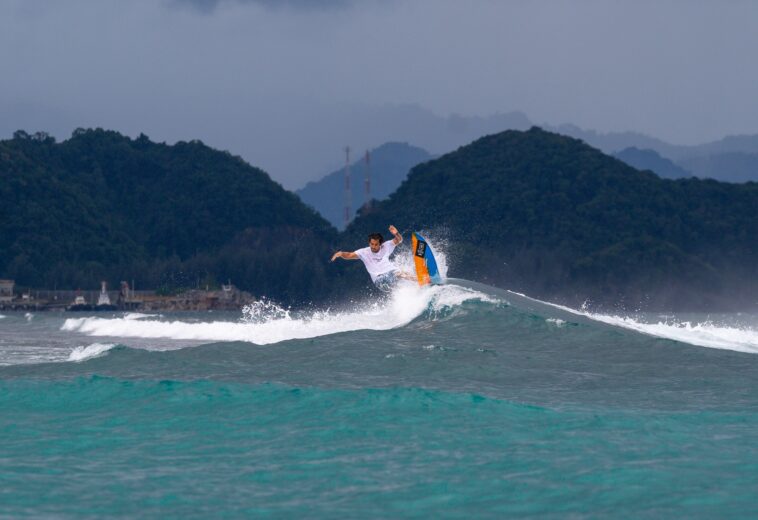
367	182
348	197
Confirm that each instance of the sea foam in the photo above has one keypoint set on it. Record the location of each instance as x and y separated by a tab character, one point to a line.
704	334
265	323
83	353
140	316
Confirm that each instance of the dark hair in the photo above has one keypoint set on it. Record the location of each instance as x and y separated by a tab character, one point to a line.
377	236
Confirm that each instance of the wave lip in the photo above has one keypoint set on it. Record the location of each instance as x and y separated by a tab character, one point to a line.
82	353
705	334
263	327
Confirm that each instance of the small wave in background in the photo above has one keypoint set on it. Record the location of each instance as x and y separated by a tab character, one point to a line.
83	353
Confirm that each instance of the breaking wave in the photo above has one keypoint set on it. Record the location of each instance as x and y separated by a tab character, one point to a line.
264	322
703	334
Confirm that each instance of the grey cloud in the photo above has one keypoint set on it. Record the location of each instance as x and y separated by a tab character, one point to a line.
208	6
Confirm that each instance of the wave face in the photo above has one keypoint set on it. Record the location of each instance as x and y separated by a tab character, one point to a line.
458	400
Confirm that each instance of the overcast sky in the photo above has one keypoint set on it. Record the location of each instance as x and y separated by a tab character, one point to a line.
287	84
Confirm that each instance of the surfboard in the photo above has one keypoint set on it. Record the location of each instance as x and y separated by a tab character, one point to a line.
423	258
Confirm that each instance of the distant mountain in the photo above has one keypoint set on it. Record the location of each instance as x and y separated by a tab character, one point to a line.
727	166
103	206
731	144
389	166
731	159
612	142
548	214
432	132
323	131
651	160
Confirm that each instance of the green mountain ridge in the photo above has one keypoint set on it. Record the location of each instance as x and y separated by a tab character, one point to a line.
552	216
103	206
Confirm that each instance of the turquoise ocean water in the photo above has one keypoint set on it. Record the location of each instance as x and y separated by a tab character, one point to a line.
458	401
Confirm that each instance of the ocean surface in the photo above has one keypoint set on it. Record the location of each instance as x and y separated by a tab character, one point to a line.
455	401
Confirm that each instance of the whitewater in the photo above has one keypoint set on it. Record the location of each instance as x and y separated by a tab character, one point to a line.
265	323
701	331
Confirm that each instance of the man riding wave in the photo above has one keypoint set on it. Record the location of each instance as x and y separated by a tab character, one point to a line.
376	258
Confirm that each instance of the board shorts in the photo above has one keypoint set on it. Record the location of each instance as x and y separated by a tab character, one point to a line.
386	281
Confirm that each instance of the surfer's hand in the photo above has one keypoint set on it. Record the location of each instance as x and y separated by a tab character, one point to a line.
393	230
336	255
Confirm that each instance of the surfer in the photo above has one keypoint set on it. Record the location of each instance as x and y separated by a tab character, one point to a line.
376	258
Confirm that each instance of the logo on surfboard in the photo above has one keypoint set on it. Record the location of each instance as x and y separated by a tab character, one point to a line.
420	249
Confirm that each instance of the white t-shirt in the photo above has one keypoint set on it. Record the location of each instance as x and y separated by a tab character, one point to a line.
378	263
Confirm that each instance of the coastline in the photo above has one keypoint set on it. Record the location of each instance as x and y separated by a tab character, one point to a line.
227	298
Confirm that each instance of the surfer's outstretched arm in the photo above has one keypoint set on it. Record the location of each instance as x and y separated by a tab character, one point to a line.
345	255
398	237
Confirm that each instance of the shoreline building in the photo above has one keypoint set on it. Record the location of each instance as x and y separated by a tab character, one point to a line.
6	290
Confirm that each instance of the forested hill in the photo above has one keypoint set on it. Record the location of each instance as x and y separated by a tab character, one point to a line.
103	206
550	215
